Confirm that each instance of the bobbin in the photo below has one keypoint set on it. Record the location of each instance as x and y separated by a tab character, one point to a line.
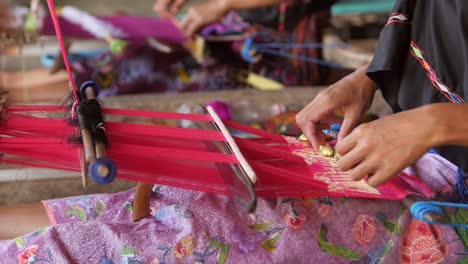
95	161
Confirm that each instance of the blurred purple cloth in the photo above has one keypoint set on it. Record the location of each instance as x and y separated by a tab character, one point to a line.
137	28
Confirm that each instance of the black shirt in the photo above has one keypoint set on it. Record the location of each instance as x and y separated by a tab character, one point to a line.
422	58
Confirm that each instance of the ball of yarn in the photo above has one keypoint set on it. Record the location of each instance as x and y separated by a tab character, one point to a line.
222	109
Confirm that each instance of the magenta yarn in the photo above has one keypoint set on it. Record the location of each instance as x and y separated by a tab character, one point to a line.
222	109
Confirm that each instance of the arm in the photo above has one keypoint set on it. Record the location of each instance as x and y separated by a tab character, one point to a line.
382	148
450	126
248	4
204	13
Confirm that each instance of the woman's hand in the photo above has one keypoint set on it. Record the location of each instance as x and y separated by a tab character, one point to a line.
197	16
352	96
168	8
202	14
383	148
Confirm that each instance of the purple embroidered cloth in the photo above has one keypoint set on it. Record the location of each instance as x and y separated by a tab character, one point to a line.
194	227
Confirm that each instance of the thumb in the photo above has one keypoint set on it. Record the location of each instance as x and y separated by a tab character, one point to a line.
349	123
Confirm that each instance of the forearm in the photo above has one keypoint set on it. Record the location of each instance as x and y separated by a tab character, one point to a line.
248	4
449	123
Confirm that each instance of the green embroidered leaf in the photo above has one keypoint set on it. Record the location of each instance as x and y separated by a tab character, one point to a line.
463	261
128	252
40	231
461	217
391	227
417	52
223	250
335	250
260	227
128	206
78	212
270	244
20	242
100	206
344	200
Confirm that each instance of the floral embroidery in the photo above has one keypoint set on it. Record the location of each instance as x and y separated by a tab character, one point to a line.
84	209
223	250
422	243
128	255
417	52
30	256
364	229
376	256
174	217
184	247
335	250
292	219
391	227
295	221
21	241
397	18
324	209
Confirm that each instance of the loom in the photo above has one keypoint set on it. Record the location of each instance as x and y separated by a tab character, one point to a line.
206	159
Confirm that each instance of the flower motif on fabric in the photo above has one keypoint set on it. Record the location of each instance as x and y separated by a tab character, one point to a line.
292	218
30	255
295	221
272	234
397	18
174	217
422	243
418	53
21	241
324	209
364	229
84	208
184	247
129	256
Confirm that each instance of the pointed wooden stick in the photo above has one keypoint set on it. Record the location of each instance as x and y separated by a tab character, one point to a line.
141	202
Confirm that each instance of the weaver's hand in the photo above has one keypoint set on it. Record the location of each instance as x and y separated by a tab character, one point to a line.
352	96
168	8
384	147
202	14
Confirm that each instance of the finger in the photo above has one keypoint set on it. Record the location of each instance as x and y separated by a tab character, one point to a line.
352	159
161	6
176	6
193	27
346	144
313	132
379	178
349	123
366	167
184	24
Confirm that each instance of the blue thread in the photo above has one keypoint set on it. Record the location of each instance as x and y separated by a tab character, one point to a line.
419	209
249	46
87	84
461	187
94	170
301	58
301	45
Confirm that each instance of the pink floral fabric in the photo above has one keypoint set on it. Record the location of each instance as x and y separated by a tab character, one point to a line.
194	227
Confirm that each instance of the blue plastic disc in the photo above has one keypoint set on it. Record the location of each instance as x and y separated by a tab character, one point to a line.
86	85
94	170
335	127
